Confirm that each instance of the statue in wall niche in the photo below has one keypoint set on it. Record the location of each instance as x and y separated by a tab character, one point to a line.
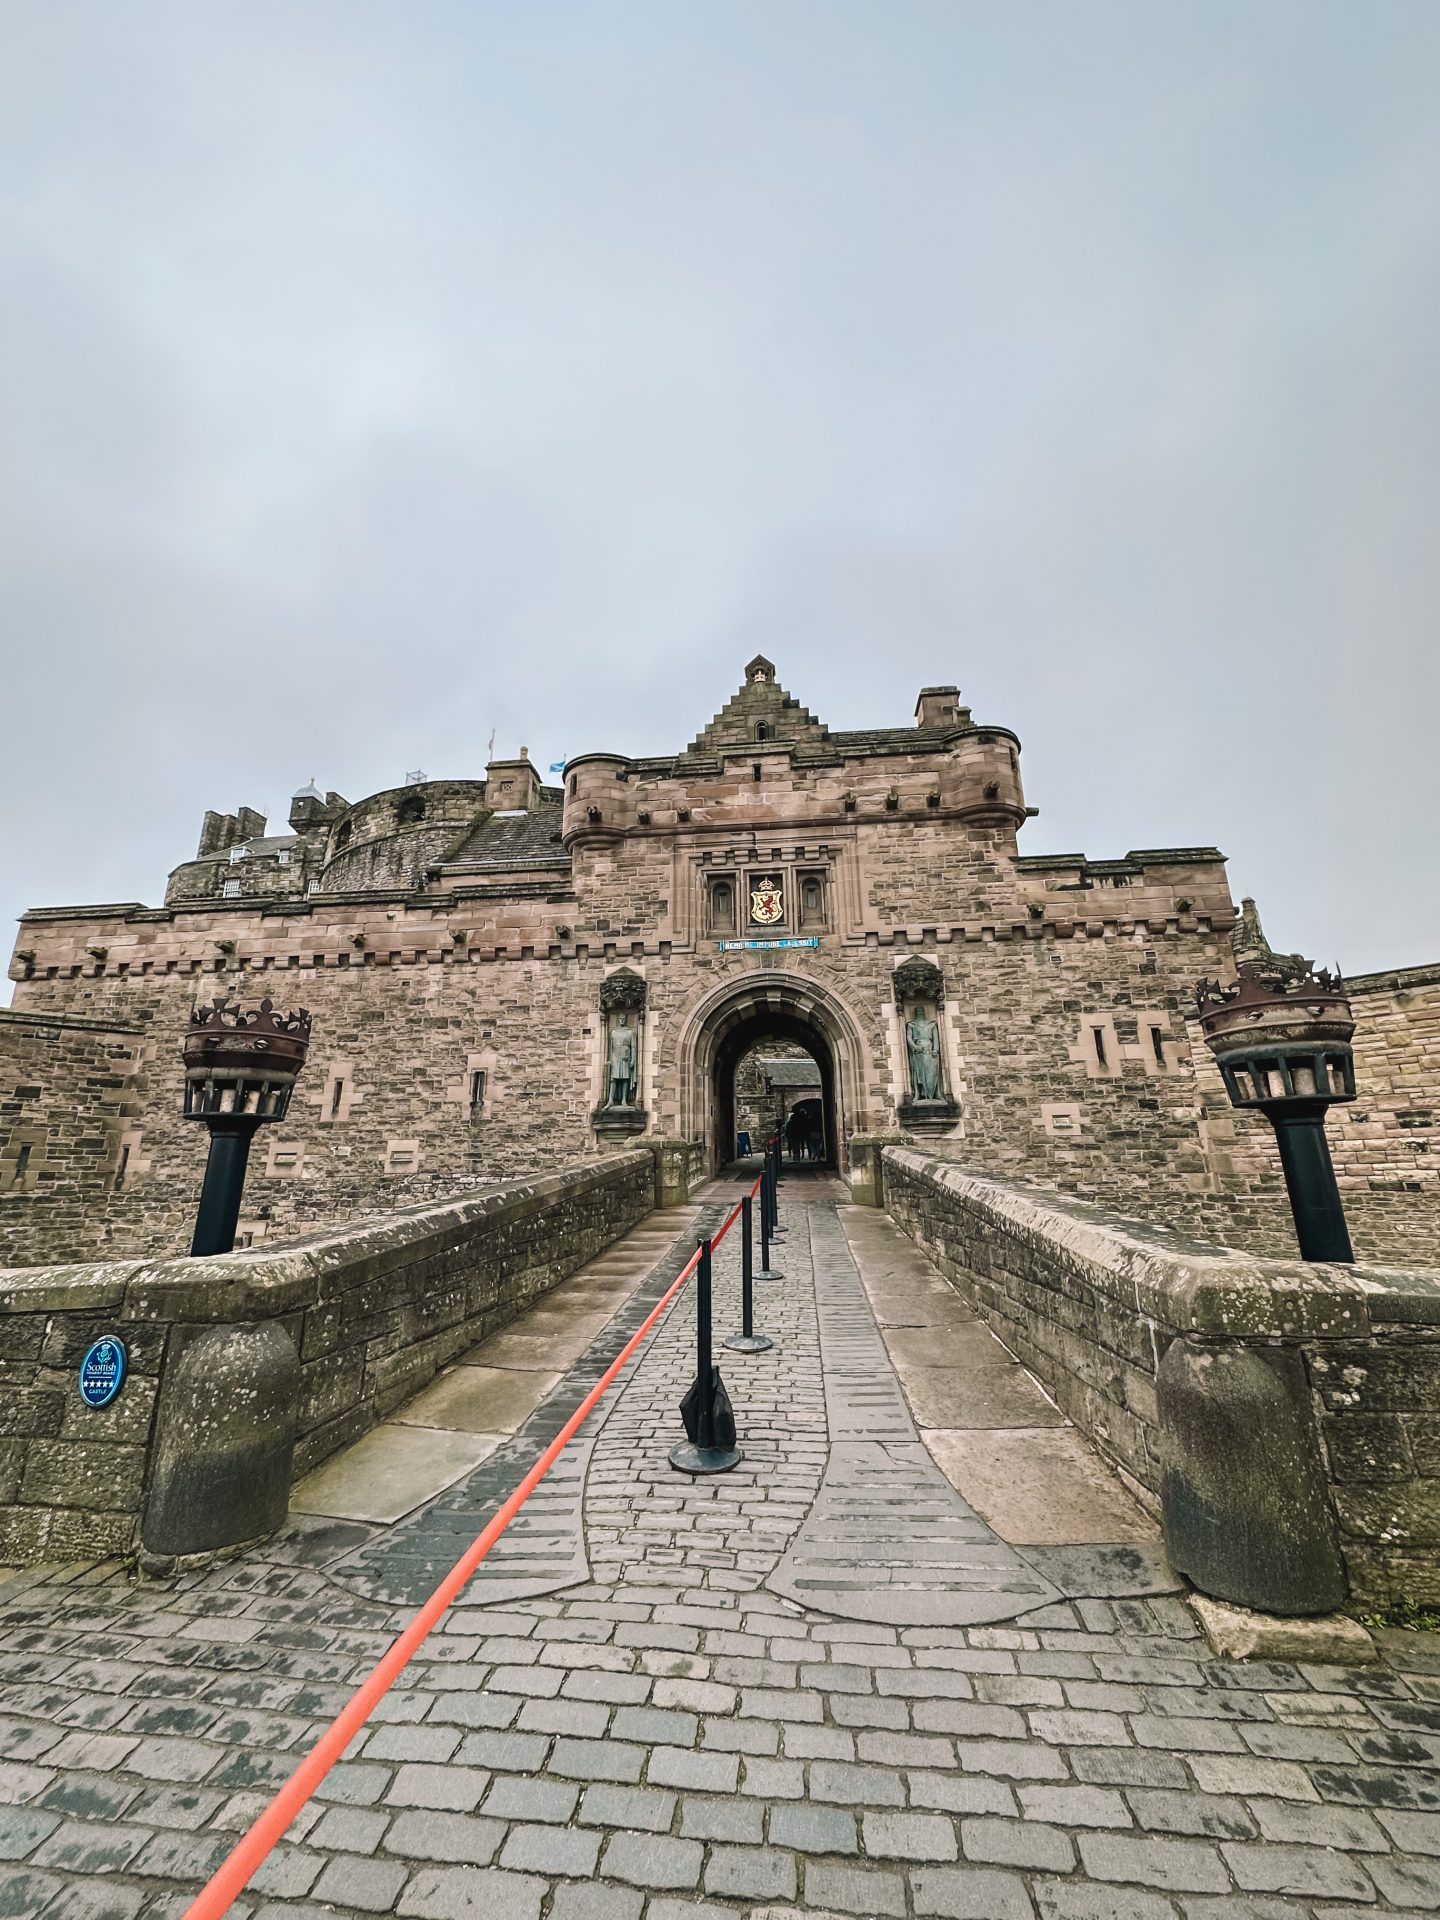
922	1043
624	1062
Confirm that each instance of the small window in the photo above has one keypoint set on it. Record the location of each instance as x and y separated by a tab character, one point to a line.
342	835
574	783
1157	1040
722	907
336	1093
22	1160
282	858
1098	1034
410	809
237	854
230	890
762	731
312	886
477	1094
120	1170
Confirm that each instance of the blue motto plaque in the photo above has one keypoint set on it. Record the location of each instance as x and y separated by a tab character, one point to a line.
102	1371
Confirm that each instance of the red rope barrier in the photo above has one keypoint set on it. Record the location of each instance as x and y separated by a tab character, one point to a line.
234	1873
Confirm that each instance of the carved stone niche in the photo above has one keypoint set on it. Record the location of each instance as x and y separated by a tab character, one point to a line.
624	989
920	1002
622	1005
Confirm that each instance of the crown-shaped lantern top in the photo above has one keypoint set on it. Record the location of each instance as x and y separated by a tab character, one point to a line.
242	1060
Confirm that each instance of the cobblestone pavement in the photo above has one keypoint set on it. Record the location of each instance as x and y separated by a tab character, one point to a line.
675	1735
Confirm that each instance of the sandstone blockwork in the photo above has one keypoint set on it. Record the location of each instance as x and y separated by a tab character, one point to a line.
1103	1309
366	1315
453	940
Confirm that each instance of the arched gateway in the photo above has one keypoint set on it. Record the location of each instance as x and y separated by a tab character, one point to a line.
714	1034
504	975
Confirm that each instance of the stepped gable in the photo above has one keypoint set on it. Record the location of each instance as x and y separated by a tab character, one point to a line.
761	703
509	840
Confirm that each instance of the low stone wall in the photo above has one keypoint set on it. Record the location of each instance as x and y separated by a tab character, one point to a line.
371	1311
1092	1303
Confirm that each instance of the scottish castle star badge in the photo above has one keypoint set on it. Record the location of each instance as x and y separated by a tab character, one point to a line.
766	904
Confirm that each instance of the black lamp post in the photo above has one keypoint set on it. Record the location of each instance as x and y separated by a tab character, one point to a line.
1281	1037
240	1066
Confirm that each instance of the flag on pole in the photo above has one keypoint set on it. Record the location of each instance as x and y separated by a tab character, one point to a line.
557	766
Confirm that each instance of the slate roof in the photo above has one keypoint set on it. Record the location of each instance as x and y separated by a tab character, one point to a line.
789	1073
504	841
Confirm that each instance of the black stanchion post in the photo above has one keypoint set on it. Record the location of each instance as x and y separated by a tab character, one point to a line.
767	1272
706	1411
747	1340
777	1231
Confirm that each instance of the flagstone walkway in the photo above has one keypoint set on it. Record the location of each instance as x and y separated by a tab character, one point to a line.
887	1666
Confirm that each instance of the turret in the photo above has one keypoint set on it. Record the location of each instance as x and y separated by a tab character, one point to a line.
981	778
597	798
309	808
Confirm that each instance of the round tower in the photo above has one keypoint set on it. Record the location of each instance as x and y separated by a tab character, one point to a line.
598	799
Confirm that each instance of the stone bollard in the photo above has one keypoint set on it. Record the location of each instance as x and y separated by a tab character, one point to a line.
224	1440
1246	1513
672	1169
867	1167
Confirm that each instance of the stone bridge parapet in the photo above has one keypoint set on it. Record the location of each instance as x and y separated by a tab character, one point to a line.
1281	1416
247	1367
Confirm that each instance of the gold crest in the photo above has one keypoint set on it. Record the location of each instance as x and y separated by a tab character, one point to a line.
767	903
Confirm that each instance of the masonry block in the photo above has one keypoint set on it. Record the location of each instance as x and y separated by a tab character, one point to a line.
1243	1492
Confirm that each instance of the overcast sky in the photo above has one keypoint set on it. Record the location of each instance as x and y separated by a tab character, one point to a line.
373	376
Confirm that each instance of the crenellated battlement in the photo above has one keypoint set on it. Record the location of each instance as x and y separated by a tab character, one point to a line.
452	939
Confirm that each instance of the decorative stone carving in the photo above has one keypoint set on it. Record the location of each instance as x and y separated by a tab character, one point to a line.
918	980
622	1002
922	1046
920	998
623	990
623	1064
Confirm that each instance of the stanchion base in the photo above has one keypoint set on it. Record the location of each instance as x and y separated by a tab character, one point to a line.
749	1342
688	1458
767	1273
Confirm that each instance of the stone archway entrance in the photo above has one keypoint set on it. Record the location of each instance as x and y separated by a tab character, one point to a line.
761	1030
753	1009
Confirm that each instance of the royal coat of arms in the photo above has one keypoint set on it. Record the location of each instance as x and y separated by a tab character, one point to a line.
767	904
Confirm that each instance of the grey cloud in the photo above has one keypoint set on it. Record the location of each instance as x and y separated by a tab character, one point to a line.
401	373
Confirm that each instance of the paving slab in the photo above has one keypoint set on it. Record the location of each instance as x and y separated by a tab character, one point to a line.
887	1539
1041	1486
477	1399
390	1472
977	1398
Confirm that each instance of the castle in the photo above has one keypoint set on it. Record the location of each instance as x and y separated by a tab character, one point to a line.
505	975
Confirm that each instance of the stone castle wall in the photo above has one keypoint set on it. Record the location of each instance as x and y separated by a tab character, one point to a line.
69	1125
373	1312
459	1036
1090	1302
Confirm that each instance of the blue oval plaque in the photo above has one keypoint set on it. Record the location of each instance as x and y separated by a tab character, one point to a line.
102	1371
